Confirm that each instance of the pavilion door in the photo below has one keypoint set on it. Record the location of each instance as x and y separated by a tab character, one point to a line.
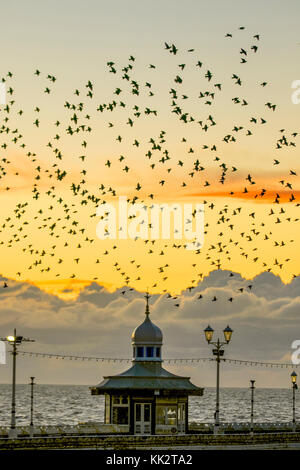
142	418
181	418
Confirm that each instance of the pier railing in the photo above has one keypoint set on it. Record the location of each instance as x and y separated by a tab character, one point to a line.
244	427
83	429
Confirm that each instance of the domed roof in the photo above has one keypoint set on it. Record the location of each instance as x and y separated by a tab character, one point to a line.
147	332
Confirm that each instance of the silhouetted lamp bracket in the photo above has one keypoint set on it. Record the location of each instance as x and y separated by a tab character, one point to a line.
16	339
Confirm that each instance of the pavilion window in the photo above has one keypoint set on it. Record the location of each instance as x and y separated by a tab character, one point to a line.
166	415
140	351
160	415
120	415
120	400
149	351
157	352
171	415
107	409
120	410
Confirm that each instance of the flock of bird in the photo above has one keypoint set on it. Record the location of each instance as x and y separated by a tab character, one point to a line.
61	222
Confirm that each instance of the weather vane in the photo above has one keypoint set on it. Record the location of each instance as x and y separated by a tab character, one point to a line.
147	297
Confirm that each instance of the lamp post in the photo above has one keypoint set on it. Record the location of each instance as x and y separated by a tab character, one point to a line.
218	352
31	403
294	386
15	341
252	405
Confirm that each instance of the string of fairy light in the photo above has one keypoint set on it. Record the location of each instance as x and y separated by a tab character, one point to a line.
189	361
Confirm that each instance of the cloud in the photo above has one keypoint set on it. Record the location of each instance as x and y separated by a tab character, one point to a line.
265	320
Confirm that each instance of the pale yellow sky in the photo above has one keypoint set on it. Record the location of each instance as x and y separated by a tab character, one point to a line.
138	146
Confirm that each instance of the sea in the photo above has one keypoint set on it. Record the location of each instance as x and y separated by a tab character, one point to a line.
73	404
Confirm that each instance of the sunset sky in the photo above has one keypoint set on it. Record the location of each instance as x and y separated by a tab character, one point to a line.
98	107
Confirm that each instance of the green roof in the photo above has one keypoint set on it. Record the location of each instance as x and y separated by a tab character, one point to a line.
147	376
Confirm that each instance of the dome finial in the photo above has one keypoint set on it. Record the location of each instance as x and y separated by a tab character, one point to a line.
147	297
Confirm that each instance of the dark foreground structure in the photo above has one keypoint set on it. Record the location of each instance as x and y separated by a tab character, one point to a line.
190	441
147	399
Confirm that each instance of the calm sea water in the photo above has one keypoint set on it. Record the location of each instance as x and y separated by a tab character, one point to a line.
70	404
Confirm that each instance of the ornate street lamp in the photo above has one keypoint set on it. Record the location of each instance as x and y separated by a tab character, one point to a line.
294	386
218	352
15	341
208	333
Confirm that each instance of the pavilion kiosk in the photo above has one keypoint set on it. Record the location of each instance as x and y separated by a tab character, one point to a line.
147	399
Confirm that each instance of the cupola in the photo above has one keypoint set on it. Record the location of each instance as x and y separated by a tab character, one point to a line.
146	339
